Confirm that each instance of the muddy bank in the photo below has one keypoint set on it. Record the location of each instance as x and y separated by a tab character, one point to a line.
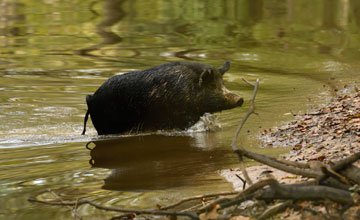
329	133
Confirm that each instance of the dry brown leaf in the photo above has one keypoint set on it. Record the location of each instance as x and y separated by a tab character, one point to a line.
321	158
288	177
355	122
325	110
297	147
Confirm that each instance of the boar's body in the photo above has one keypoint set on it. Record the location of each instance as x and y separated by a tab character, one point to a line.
168	96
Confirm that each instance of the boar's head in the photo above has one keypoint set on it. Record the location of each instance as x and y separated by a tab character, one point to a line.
214	96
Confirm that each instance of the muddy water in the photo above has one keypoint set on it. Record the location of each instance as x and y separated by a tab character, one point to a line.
54	53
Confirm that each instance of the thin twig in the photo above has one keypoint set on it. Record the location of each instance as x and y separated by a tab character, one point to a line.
124	216
248	82
107	208
210	205
251	110
198	197
281	166
242	180
294	163
279	207
346	162
195	207
73	210
242	196
246	116
331	173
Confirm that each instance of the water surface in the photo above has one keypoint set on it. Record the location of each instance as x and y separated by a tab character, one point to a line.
54	53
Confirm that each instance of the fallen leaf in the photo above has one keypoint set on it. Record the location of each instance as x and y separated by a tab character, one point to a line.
289	177
297	147
325	110
321	158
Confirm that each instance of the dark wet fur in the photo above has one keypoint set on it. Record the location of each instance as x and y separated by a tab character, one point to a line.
168	96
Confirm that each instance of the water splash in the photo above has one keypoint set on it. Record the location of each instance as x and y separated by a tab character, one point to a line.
70	133
207	122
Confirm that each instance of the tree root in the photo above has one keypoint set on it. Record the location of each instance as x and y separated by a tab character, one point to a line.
201	197
115	209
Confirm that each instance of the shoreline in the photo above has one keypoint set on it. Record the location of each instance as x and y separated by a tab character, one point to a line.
328	134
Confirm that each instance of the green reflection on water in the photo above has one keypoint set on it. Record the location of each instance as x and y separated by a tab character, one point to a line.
53	53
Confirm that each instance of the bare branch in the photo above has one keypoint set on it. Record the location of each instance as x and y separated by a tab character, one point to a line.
251	111
107	208
281	166
293	163
198	197
242	196
73	210
279	207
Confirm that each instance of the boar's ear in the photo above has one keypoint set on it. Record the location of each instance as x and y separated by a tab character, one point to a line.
225	67
206	76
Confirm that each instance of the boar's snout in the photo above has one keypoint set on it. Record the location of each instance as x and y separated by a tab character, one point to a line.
235	100
240	101
232	99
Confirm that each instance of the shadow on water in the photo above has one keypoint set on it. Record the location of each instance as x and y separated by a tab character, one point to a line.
156	161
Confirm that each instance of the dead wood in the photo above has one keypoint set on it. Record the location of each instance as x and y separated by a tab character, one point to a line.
274	210
342	170
272	162
115	209
294	192
240	197
352	173
246	116
124	216
346	162
198	197
293	163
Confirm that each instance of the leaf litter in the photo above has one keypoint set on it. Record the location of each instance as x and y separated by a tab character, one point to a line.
328	134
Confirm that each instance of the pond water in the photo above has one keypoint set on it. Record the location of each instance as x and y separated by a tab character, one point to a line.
53	53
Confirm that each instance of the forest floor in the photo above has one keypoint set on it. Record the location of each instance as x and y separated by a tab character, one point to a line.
328	134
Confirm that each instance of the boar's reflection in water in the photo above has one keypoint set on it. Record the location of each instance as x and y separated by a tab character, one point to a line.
151	162
169	96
